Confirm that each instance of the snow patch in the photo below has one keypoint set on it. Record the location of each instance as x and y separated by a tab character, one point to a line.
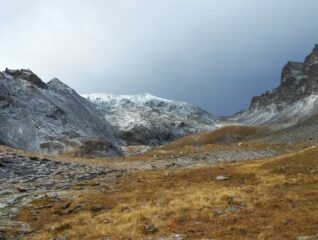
112	98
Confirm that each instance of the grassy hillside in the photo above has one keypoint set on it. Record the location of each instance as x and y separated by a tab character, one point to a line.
226	134
274	198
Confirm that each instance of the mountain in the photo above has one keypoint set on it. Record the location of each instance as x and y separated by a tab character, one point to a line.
52	118
294	100
145	119
48	117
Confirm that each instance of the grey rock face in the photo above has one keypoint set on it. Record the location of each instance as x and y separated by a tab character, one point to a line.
298	80
295	99
28	76
52	118
48	118
148	120
97	148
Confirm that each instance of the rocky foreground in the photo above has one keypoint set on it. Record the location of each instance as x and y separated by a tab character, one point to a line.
23	179
197	187
271	198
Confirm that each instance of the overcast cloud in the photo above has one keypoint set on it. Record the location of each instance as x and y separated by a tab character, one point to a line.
215	54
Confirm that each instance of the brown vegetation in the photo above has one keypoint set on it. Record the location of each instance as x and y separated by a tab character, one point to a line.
275	198
226	134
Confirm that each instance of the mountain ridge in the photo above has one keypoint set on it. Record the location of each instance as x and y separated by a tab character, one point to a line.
53	118
47	117
145	118
294	100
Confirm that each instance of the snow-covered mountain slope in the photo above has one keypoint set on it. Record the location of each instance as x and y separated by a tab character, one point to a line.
294	100
149	120
114	99
50	118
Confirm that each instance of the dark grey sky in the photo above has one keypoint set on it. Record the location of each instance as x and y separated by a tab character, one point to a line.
215	54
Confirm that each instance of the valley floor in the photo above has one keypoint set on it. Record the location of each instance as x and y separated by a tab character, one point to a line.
180	194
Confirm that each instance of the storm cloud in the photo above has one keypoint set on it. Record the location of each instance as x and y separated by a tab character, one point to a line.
214	54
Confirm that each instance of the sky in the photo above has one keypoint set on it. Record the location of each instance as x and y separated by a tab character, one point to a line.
214	54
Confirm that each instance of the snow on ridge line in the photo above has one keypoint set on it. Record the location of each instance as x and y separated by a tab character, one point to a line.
301	108
109	97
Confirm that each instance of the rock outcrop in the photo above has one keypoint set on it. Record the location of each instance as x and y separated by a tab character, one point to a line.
295	99
46	117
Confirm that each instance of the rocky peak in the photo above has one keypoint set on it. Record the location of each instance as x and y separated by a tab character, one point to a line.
312	58
58	85
43	120
27	75
291	73
311	65
294	99
298	80
56	82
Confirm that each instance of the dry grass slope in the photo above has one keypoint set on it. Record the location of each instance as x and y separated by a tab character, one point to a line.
275	198
226	134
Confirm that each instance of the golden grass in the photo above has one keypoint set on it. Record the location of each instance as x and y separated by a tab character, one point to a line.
276	198
224	139
226	134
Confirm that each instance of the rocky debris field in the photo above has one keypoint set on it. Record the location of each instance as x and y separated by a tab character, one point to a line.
305	131
227	156
23	179
170	159
271	198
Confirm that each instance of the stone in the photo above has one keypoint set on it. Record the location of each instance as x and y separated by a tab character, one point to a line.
314	171
309	237
21	189
170	174
221	178
176	237
96	208
150	228
59	238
